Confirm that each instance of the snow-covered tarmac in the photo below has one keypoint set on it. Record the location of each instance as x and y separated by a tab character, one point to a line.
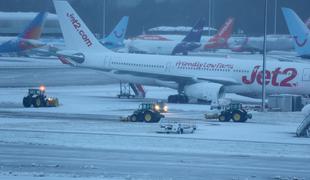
85	131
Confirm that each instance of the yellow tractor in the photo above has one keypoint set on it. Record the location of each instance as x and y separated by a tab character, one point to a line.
37	98
147	112
235	112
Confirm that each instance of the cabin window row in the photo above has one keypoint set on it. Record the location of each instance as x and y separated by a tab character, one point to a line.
207	69
139	65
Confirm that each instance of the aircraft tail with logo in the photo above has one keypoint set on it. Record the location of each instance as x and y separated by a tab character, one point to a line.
220	39
192	40
76	34
28	39
35	28
116	38
299	32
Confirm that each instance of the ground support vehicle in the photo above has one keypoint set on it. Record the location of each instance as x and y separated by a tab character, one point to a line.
233	111
146	113
176	127
304	128
37	98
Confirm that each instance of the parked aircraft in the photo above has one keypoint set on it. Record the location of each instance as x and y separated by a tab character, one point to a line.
154	44
194	77
164	44
255	44
26	40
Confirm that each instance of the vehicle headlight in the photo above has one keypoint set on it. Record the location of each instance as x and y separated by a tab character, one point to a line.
157	108
165	108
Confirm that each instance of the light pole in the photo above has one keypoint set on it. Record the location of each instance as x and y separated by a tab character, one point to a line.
264	57
210	14
275	16
104	18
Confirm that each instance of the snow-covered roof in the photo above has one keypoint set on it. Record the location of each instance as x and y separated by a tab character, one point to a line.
23	16
176	29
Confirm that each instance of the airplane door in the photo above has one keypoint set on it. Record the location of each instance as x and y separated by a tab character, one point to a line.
168	67
107	61
306	75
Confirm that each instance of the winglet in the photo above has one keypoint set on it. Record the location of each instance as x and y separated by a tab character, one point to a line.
35	28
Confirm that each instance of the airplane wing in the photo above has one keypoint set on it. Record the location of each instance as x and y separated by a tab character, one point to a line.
183	79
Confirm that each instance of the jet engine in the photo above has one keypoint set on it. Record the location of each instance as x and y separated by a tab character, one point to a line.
205	91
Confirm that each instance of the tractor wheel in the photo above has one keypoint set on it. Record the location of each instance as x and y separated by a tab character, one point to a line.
37	102
224	117
133	118
238	116
148	117
27	101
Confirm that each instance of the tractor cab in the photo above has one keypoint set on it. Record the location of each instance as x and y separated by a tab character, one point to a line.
37	92
146	112
146	106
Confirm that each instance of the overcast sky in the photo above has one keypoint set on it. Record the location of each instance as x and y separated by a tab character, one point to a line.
151	13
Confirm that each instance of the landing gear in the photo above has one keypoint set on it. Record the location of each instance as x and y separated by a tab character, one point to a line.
179	98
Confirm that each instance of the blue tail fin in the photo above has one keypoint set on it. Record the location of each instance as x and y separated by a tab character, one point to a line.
195	34
35	28
299	32
116	37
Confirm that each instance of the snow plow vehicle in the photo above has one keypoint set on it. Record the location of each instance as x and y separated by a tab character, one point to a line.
37	98
147	112
233	111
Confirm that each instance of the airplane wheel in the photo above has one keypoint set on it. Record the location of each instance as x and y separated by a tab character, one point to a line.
172	99
178	99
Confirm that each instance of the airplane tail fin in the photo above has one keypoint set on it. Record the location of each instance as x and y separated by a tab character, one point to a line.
76	34
225	31
298	31
35	28
118	34
195	34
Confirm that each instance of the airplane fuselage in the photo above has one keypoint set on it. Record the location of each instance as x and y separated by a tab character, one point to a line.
281	77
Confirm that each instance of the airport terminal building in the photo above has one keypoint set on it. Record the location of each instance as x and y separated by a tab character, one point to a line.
12	23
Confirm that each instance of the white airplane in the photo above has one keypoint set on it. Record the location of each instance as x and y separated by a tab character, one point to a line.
274	42
155	44
194	77
165	44
255	44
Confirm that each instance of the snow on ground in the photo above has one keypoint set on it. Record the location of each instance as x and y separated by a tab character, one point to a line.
267	134
42	176
89	117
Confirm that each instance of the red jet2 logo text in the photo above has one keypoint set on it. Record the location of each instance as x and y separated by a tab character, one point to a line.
272	77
